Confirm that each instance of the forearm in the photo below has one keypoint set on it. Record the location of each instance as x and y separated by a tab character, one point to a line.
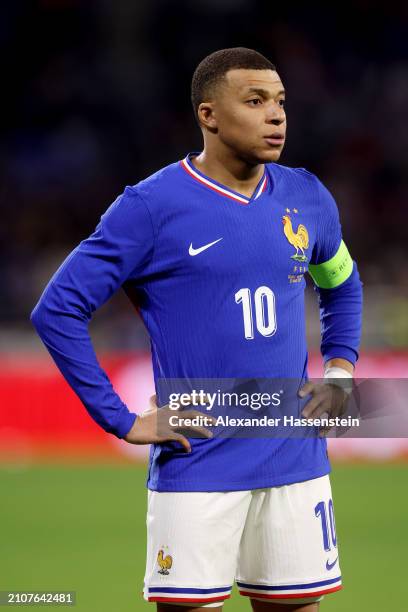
340	316
67	339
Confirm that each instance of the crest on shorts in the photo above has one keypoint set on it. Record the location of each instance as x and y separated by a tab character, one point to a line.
164	562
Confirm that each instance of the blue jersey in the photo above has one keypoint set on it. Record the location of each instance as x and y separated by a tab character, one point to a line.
218	279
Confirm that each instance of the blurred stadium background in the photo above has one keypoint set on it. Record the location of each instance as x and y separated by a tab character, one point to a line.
96	96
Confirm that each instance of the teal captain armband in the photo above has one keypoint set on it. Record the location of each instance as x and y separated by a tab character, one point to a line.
332	273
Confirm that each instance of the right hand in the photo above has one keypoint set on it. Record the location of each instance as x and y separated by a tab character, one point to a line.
153	427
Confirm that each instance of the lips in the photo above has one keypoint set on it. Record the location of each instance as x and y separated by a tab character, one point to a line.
275	139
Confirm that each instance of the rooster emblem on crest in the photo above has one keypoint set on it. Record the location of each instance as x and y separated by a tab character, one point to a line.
165	562
298	239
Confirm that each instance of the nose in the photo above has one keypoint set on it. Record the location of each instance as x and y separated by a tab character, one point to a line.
275	114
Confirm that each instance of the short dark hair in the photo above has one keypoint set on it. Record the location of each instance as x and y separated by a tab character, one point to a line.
213	68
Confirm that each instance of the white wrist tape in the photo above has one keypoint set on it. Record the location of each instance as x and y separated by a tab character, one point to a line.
336	376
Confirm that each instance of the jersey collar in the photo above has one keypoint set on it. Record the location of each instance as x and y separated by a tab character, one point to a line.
221	189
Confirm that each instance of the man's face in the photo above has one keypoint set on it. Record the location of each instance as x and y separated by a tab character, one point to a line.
248	109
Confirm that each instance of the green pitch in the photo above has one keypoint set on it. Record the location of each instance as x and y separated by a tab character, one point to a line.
83	529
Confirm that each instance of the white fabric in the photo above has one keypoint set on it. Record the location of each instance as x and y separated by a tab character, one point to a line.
264	538
334	376
336	372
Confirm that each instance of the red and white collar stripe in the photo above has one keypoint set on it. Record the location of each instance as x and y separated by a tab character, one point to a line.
188	167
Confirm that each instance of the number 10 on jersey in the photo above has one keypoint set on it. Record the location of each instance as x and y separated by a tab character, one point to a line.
264	312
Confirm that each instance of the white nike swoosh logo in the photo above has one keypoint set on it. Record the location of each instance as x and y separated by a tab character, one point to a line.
193	251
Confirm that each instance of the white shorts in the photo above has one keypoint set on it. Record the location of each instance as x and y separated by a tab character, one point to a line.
278	544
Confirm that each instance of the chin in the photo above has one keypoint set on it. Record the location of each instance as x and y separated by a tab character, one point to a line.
262	156
272	155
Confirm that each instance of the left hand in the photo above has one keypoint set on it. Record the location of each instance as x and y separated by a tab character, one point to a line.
328	400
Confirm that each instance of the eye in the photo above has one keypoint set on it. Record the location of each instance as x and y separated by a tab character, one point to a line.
282	102
254	101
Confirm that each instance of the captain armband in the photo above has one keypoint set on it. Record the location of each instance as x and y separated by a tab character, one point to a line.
335	271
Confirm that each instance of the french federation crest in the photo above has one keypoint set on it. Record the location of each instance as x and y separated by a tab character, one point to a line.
164	562
299	239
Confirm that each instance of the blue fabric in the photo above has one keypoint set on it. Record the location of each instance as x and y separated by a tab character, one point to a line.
190	309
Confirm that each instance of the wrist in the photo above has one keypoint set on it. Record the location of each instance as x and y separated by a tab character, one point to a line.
334	375
126	425
339	362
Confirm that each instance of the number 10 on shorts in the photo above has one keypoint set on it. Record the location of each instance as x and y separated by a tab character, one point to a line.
326	514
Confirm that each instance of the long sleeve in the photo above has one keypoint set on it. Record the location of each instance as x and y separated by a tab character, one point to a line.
120	249
338	285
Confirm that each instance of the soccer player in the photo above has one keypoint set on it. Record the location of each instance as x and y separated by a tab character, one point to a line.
213	250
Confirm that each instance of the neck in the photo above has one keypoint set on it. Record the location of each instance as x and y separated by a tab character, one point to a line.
224	166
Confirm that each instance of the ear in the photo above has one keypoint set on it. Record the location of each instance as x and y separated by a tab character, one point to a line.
206	116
